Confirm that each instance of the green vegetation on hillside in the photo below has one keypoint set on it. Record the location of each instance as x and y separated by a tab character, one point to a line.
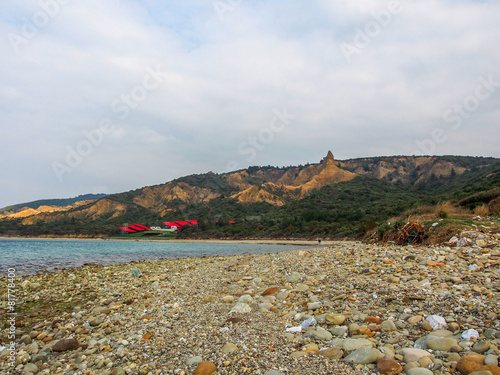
346	209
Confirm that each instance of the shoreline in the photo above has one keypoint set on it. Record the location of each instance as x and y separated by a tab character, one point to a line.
296	242
251	247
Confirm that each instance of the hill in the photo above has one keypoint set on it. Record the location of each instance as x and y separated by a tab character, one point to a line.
51	203
331	198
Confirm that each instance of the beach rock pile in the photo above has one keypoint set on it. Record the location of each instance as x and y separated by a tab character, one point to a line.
351	308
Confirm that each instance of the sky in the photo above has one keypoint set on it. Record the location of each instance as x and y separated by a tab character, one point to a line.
111	96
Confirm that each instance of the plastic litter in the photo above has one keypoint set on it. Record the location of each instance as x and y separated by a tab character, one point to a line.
473	267
464	241
311	322
294	329
436	322
470	333
2	348
224	329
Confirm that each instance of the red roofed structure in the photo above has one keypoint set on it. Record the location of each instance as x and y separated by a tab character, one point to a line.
141	226
172	225
136	228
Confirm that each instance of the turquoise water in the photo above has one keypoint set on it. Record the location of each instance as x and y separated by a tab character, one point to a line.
32	256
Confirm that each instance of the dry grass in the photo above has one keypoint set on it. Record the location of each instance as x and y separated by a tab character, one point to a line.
446	209
441	210
482	210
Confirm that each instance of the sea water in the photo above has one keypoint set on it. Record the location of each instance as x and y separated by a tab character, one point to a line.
28	256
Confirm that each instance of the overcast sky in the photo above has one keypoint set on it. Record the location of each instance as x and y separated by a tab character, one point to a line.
109	96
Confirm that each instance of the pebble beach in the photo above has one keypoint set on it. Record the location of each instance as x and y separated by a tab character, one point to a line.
346	308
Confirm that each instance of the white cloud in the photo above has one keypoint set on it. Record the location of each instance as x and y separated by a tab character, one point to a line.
222	81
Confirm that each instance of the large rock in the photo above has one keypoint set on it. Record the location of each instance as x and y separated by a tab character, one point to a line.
442	344
321	334
354	344
98	320
241	308
245	298
270	291
481	346
436	322
470	363
388	326
491	359
485	370
414	319
373	319
311	348
421	343
65	344
336	319
332	353
363	356
413	354
419	371
205	368
30	368
388	367
339	331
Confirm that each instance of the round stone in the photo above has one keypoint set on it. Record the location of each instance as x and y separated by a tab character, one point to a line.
205	368
354	344
442	344
336	319
388	367
419	371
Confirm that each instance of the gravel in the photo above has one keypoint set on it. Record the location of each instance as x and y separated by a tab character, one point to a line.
166	316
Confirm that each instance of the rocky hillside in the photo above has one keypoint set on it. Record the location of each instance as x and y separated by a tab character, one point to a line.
25	212
271	186
47	205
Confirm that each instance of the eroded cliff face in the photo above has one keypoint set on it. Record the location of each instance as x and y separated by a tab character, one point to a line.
265	193
238	180
270	185
326	173
158	198
407	169
283	186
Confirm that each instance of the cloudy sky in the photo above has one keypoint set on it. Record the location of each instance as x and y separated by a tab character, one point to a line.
109	96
